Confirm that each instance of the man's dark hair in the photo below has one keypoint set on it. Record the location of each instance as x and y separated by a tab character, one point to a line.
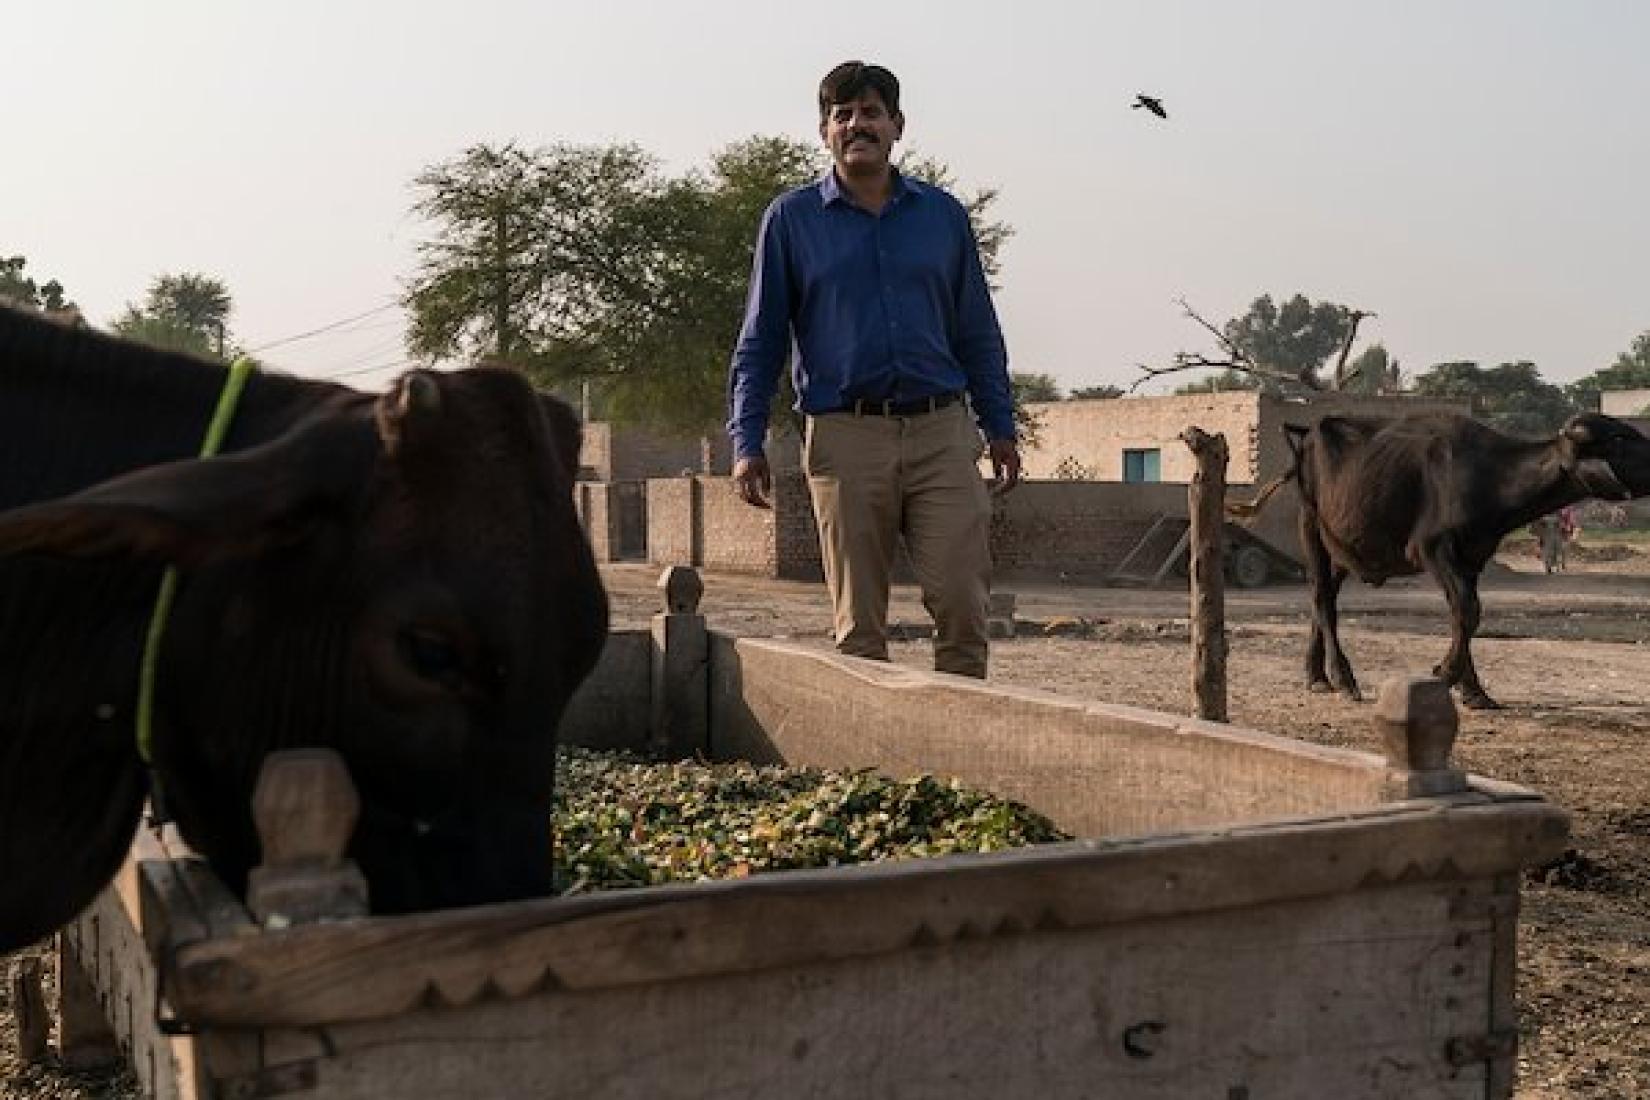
852	79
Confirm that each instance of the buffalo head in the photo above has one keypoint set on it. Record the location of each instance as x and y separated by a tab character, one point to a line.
403	579
1608	458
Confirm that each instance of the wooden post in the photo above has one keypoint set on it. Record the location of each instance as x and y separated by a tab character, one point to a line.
305	807
28	1007
999	621
681	668
1207	567
1416	719
85	1041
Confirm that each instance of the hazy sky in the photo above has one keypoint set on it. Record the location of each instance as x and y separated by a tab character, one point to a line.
1477	173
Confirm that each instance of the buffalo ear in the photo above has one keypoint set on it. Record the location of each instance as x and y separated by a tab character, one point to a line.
200	510
1579	432
566	433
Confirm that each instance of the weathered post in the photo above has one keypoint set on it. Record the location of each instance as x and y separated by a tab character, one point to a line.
1206	503
304	807
1417	721
85	1041
28	1007
681	667
999	621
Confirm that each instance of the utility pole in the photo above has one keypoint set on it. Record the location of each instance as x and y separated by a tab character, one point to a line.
501	254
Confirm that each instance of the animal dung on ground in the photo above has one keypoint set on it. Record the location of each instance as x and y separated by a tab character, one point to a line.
624	821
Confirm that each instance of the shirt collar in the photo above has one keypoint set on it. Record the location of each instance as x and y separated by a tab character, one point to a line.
831	190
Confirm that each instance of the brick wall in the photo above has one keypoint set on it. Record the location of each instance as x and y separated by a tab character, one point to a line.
701	521
596	451
1082	529
595	513
796	537
737	537
624	452
1085	440
1079	528
1623	403
671	521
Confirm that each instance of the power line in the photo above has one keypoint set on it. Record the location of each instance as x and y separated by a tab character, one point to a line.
395	364
394	304
378	350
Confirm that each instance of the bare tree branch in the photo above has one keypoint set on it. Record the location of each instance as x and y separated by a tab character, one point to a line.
1231	349
1189	361
1236	359
1356	317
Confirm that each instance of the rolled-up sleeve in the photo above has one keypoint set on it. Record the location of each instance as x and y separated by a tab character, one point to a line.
979	346
764	340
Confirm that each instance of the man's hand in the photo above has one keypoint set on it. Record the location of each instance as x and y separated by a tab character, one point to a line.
1005	464
754	484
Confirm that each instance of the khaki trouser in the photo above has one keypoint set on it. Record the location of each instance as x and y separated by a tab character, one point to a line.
876	478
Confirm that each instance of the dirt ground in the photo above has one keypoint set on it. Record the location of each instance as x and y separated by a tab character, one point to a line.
1567	655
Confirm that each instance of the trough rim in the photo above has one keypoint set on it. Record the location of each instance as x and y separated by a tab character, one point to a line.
377	967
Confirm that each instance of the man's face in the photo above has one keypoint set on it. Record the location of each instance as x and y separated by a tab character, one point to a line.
860	134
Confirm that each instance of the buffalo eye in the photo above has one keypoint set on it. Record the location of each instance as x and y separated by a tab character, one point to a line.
431	655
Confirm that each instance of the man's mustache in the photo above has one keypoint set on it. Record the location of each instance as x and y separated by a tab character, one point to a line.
861	135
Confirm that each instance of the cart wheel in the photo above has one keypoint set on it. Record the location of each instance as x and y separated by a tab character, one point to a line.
1248	567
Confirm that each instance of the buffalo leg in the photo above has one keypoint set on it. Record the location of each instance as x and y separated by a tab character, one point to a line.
1460	587
1325	578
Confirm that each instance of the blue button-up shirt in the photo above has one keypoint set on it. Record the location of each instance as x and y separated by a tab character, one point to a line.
890	306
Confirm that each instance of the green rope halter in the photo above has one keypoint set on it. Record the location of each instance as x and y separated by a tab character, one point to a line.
228	398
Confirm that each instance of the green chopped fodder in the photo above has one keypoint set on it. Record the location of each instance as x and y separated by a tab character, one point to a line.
621	820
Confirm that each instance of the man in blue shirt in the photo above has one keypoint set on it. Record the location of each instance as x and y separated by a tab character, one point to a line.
876	281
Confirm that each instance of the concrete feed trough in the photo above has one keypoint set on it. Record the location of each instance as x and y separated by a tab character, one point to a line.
1245	917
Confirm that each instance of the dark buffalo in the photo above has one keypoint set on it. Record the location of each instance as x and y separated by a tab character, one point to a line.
402	578
1391	497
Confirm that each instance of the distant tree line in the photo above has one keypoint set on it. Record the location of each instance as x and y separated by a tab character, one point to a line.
187	311
1278	348
1288	348
604	277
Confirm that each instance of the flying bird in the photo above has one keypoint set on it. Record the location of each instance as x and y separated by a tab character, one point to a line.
1152	104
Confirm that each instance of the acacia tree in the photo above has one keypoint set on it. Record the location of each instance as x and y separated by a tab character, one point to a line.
186	312
677	375
1280	348
535	252
588	267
